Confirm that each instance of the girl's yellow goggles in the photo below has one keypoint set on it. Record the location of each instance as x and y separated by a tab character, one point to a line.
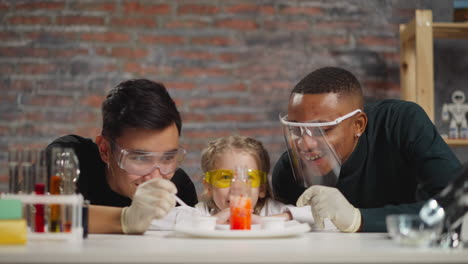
223	178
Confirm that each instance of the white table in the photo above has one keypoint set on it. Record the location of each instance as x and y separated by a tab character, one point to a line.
166	247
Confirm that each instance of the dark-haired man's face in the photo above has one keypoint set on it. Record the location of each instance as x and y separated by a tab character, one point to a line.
139	140
325	107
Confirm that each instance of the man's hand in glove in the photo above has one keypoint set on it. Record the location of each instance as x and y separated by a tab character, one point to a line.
328	202
152	199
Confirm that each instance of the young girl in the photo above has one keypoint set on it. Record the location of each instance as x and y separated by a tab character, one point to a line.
218	163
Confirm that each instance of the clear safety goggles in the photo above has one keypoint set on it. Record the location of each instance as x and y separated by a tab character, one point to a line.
143	163
298	129
223	178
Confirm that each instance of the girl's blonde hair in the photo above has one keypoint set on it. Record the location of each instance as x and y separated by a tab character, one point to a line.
247	145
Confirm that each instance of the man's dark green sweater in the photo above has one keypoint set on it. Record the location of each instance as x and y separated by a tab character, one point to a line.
399	162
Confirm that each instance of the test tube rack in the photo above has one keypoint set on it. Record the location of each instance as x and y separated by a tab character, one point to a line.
73	200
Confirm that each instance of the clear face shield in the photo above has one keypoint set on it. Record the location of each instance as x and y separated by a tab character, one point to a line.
313	158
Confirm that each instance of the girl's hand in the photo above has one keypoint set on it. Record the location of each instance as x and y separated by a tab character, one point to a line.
223	216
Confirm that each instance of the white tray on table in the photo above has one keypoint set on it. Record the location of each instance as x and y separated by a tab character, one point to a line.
292	228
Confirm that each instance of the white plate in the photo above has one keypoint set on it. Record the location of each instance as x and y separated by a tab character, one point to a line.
293	228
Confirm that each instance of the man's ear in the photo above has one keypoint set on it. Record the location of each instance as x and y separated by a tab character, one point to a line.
262	191
104	148
360	124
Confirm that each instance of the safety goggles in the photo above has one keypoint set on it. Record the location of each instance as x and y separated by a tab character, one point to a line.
298	129
142	163
223	178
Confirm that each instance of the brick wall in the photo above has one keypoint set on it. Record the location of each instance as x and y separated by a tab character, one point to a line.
230	65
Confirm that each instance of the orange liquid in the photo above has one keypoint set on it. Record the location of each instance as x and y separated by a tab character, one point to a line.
241	213
55	208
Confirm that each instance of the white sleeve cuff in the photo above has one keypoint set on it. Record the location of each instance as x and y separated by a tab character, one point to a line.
301	214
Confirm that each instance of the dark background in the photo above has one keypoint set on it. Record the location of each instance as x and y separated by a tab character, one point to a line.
230	65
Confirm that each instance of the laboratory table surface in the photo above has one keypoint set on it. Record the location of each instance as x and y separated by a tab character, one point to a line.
168	247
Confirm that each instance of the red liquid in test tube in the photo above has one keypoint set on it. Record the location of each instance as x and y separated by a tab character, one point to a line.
39	216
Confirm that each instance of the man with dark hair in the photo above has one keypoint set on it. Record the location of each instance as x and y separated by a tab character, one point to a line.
130	174
356	164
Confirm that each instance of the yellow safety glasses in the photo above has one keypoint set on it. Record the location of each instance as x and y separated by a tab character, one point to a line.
223	178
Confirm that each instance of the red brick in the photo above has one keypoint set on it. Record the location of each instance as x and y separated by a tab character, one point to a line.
129	53
8	35
213	41
102	51
106	37
92	100
234	117
5	5
380	85
180	85
139	68
237	87
24	52
193	55
34	68
193	117
92	6
237	24
378	41
70	52
393	57
302	10
34	5
151	39
134	22
188	23
29	20
287	25
251	8
210	102
21	85
256	132
197	9
207	134
230	57
89	131
80	20
6	69
55	36
202	72
329	40
267	10
332	25
50	100
137	8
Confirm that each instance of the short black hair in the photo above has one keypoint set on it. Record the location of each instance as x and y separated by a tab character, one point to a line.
138	103
329	80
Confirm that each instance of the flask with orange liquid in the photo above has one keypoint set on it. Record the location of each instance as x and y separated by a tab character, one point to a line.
240	200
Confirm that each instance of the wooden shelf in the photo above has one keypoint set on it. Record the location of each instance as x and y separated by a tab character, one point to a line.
450	30
417	60
457	142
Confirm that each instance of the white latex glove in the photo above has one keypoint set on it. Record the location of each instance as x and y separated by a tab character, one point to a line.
152	199
328	202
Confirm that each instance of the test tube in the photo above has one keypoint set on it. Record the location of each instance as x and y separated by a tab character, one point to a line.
54	189
84	217
70	173
14	158
40	189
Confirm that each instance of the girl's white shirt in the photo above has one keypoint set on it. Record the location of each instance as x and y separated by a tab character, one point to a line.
184	215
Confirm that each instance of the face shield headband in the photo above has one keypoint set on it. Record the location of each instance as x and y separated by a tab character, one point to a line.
312	156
